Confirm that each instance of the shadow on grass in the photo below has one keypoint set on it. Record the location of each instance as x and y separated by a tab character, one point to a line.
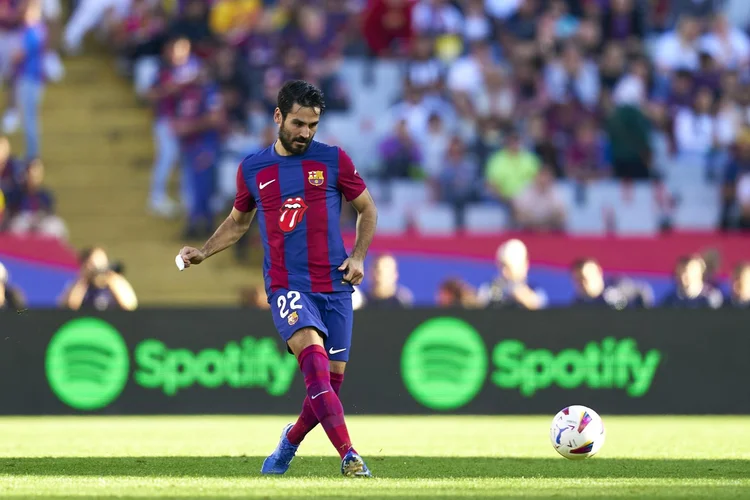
383	467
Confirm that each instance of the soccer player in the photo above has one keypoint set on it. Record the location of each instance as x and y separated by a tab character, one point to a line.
296	186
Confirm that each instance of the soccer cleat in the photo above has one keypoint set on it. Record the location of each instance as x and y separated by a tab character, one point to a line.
278	461
353	466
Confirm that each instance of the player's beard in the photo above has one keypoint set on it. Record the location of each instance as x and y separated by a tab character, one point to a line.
291	144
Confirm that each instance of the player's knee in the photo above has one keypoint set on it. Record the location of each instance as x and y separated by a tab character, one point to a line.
338	367
304	338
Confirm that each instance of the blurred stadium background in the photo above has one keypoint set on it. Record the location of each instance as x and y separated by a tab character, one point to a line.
610	139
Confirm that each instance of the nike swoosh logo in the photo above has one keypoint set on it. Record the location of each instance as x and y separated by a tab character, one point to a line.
319	394
336	351
264	184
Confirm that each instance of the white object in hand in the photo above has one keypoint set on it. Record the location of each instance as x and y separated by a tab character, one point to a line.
179	262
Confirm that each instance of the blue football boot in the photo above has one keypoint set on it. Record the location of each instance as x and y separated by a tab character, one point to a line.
278	461
353	466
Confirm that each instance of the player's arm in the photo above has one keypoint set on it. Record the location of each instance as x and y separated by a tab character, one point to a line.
230	231
354	190
367	220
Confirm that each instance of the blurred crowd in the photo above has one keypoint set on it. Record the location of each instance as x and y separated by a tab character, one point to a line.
499	97
28	60
99	286
695	286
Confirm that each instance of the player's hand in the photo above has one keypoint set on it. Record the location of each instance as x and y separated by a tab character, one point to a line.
354	270
191	255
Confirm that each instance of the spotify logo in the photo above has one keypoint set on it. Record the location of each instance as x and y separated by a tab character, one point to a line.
87	364
444	363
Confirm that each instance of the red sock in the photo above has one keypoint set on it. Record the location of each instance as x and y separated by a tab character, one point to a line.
307	419
325	403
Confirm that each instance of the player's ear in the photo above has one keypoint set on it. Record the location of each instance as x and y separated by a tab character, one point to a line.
277	118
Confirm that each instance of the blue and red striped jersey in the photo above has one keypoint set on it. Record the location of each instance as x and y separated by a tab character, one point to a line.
299	201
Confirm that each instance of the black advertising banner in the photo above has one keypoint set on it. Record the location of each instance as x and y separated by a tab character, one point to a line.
403	362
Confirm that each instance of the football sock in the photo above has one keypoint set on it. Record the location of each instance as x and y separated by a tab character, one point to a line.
307	419
325	404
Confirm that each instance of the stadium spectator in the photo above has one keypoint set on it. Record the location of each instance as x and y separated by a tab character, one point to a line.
457	183
11	297
496	99
622	21
591	289
628	130
399	154
740	287
690	289
700	9
455	292
11	170
588	280
743	200
544	146
539	207
193	24
727	44
233	20
384	291
512	169
695	127
434	145
30	76
679	49
734	192
585	157
510	289
178	70
572	77
199	121
11	23
31	206
387	26
89	14
98	286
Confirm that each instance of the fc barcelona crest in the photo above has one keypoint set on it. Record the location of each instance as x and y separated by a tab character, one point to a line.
293	318
315	177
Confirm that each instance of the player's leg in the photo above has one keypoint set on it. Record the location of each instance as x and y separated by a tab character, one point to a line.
308	346
339	319
337	343
307	420
292	311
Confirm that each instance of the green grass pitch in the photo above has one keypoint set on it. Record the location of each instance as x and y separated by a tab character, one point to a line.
425	457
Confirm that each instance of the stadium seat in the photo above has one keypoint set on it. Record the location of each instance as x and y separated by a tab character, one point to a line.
696	217
409	193
635	210
483	218
437	220
391	220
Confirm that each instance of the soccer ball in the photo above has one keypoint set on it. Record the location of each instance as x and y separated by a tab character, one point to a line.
577	432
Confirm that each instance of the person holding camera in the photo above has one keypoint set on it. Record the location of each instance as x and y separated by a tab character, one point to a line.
11	298
99	286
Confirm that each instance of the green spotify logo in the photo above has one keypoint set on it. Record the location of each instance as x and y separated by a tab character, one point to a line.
444	363
87	364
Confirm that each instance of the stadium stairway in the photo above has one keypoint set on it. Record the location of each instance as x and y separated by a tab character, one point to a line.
97	148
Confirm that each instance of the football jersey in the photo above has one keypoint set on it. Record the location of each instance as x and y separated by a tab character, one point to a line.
194	102
299	201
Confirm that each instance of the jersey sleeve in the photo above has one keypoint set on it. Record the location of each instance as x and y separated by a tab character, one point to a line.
350	183
243	200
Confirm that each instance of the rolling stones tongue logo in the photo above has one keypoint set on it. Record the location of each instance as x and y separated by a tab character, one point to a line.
292	212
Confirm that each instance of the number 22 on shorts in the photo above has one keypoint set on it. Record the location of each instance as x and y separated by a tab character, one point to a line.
292	299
